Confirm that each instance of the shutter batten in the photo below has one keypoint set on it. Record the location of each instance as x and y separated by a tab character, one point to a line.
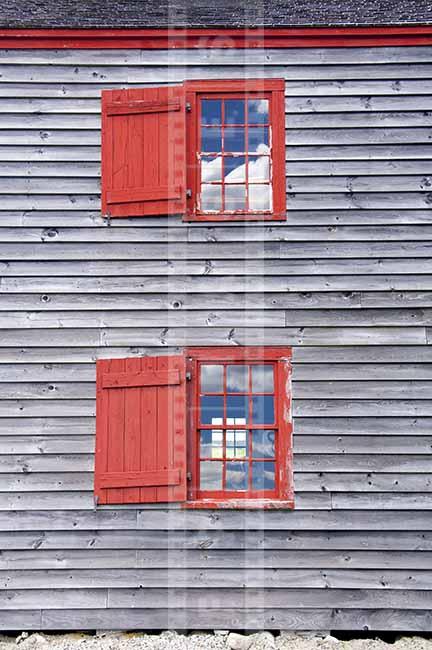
129	195
140	479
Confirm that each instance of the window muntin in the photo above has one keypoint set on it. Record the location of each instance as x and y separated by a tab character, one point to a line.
234	154
237	434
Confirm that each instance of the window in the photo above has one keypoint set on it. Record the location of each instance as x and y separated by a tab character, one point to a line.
210	428
236	150
240	440
210	150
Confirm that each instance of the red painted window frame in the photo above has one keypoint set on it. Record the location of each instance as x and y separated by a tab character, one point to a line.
274	90
281	357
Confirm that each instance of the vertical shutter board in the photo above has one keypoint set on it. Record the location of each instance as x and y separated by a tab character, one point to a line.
116	432
148	152
164	417
107	150
132	443
101	447
120	153
149	432
179	492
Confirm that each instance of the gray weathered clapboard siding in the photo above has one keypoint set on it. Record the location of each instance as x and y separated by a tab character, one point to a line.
347	281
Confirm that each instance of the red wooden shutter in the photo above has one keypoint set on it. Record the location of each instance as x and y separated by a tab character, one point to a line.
140	430
143	151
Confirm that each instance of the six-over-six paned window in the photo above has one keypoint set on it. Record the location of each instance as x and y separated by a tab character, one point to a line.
238	434
235	155
240	441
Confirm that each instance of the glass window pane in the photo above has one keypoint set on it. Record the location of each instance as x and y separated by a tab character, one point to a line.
263	409
237	379
258	111
211	139
211	475
263	476
211	409
234	111
211	111
211	379
236	476
236	444
262	379
237	409
259	197
234	169
259	169
211	168
263	443
234	140
258	139
211	443
211	198
235	197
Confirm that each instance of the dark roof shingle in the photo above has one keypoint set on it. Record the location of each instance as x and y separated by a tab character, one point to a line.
210	13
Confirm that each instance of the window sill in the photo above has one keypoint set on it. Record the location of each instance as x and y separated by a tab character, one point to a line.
239	504
193	216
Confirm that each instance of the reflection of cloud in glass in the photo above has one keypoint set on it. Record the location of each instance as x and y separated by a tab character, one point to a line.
259	197
237	379
235	197
263	476
211	198
211	168
263	444
211	379
258	111
211	475
262	379
262	409
236	476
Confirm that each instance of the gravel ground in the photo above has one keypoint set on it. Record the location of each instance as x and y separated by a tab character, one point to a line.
203	641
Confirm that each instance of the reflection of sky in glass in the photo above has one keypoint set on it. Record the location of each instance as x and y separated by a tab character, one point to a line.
211	378
236	476
211	409
234	111
263	476
237	379
262	409
234	140
262	379
211	111
237	409
211	139
258	138
211	475
234	169
263	443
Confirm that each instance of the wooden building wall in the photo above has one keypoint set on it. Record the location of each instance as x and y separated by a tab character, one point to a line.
347	281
